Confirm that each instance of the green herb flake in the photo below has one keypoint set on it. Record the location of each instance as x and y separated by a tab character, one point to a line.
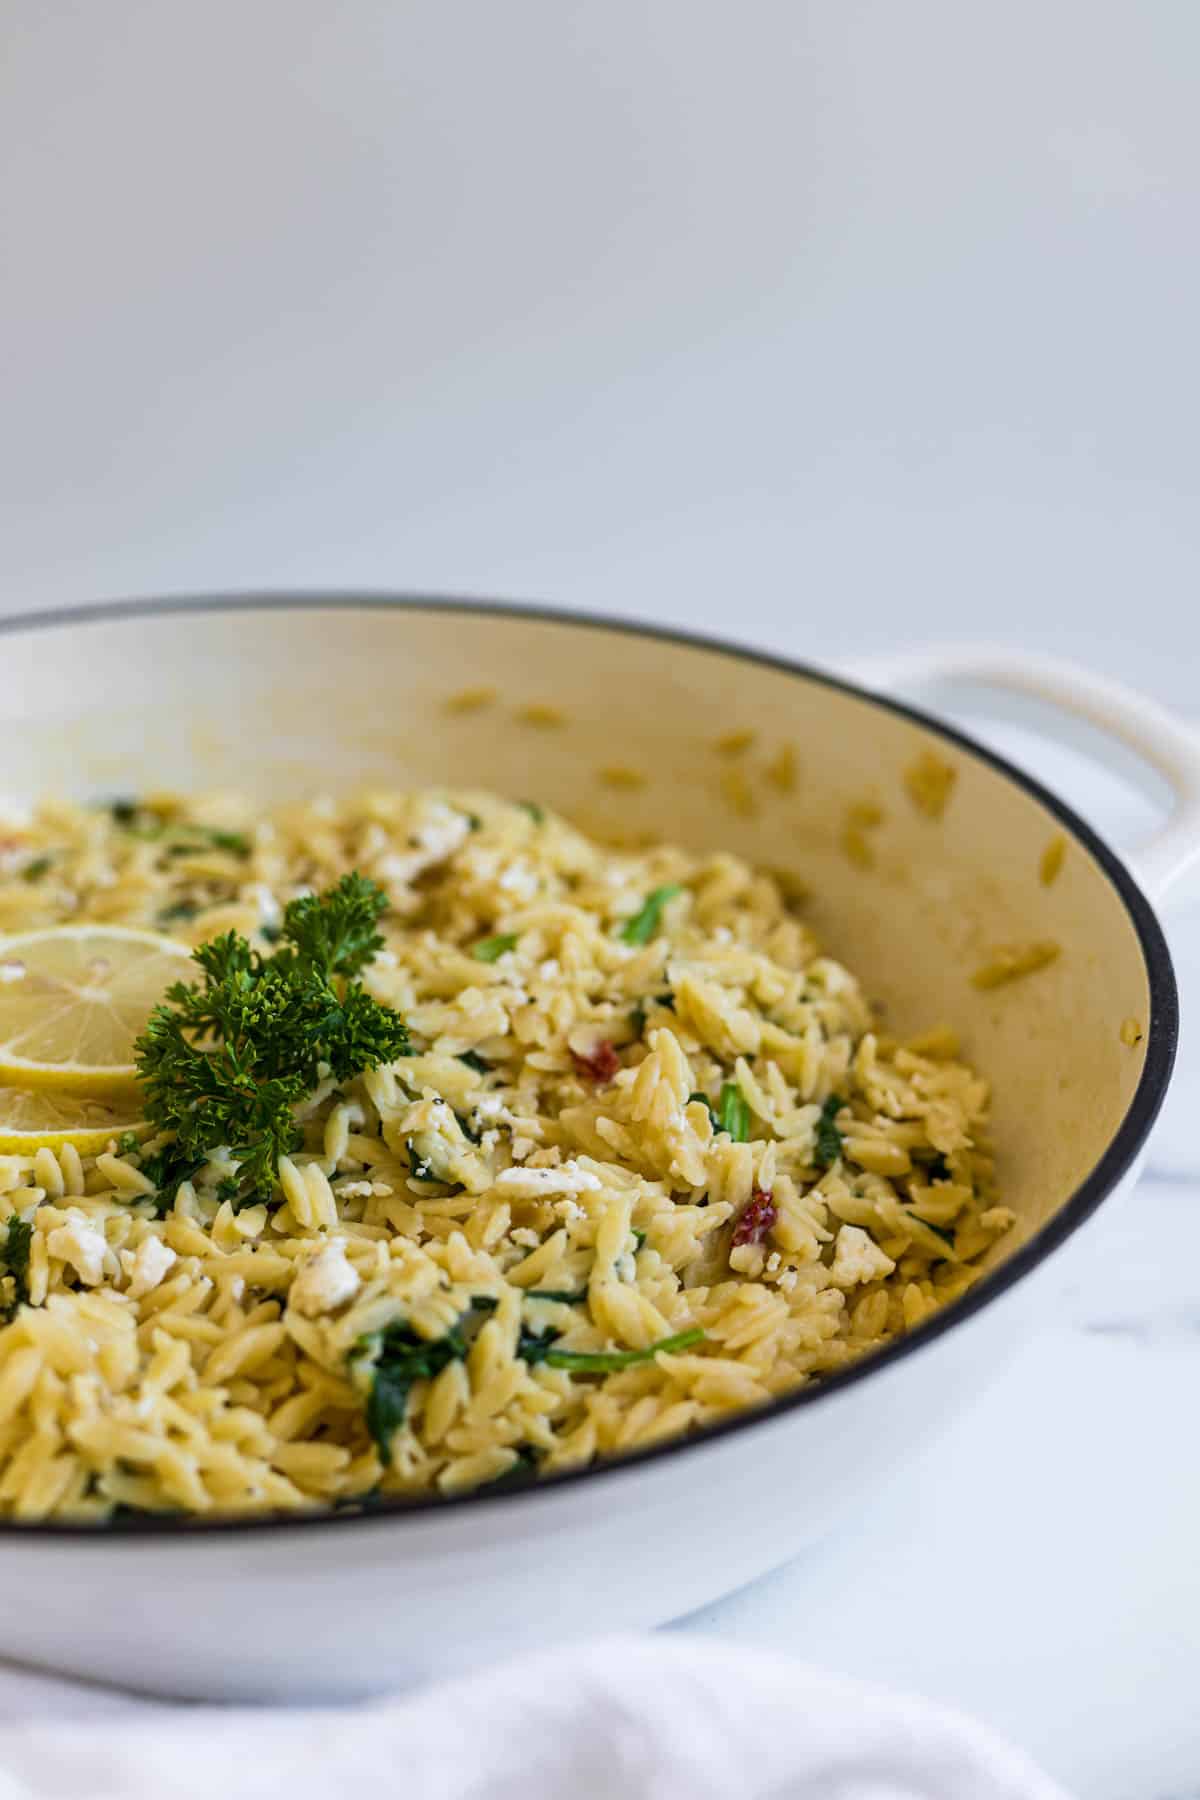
641	1008
225	1061
123	1511
645	922
491	949
33	871
534	1347
733	1114
474	1061
186	838
539	1347
138	820
419	1167
562	1296
195	839
168	1169
235	842
14	1258
178	912
523	1471
707	1104
828	1141
359	1503
537	813
389	1363
127	1144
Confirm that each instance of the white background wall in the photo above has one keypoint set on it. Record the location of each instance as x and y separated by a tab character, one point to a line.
830	325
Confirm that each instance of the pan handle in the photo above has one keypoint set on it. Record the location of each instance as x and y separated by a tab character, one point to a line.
1156	737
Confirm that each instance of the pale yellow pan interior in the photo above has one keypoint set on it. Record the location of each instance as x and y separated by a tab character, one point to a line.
285	702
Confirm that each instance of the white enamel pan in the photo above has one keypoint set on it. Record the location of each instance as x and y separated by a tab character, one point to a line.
282	694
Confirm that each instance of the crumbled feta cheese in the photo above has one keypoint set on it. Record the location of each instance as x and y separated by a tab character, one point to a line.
536	1184
550	970
519	879
395	867
81	1244
437	836
585	1040
490	1111
857	1258
479	864
146	1265
12	971
324	1279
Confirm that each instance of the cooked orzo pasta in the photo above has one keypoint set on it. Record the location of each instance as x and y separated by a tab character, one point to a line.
647	1160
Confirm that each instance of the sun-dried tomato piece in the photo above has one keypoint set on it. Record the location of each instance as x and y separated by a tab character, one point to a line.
600	1064
758	1215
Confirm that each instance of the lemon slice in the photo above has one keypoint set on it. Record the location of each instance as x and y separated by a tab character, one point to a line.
73	999
33	1117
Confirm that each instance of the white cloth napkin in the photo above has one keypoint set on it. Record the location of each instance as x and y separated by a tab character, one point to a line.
656	1718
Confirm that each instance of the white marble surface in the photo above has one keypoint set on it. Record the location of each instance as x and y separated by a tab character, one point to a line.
1038	1567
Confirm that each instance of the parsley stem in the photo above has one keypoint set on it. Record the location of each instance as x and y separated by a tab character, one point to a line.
603	1362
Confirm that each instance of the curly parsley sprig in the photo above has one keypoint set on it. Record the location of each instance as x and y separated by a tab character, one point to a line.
224	1062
